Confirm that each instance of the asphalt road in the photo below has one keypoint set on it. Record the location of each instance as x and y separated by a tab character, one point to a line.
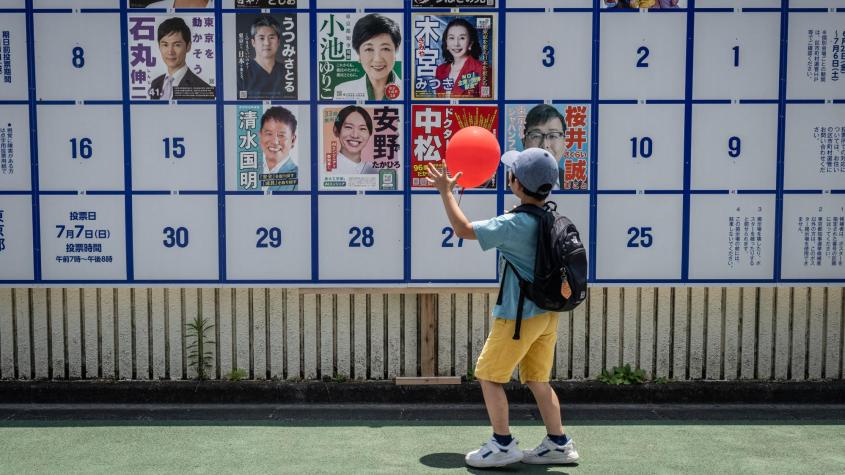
306	439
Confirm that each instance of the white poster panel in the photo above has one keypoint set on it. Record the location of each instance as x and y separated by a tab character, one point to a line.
641	147
813	230
815	69
12	3
436	252
83	237
732	236
268	237
14	80
736	56
736	4
76	3
15	167
815	147
360	4
80	147
639	237
734	146
175	237
16	238
817	4
267	3
550	4
361	237
549	56
647	59
174	147
77	56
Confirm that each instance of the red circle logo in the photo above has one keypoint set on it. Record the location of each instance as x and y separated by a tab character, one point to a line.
392	91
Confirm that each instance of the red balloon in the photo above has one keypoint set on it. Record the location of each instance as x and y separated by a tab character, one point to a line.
475	152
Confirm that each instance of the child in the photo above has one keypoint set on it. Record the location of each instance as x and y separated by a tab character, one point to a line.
534	173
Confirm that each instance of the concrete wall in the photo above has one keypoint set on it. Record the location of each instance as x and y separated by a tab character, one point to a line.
767	333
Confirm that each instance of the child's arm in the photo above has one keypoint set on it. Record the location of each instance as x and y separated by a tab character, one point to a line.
444	184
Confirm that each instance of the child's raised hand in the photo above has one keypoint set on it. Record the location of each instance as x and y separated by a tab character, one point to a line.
441	181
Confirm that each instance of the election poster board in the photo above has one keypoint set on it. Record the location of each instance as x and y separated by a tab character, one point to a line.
287	142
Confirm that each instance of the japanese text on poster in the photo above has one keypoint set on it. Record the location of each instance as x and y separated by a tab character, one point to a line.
453	56
361	148
359	56
171	57
542	126
266	56
434	125
266	148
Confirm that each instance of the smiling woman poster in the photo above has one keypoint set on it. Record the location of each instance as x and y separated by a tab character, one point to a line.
360	56
361	148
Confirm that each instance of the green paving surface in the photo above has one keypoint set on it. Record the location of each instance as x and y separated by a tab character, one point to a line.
411	447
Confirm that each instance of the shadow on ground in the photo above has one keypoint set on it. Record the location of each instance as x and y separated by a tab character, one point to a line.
450	460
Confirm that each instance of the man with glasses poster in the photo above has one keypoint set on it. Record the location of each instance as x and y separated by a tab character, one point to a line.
563	134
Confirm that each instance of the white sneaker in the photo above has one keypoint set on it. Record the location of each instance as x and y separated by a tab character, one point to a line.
548	452
491	454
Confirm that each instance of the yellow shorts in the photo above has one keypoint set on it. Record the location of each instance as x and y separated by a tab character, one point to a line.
533	352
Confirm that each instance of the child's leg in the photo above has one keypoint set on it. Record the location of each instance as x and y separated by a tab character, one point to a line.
549	406
535	369
496	402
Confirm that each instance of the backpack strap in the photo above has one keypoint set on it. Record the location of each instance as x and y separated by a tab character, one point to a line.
519	314
502	283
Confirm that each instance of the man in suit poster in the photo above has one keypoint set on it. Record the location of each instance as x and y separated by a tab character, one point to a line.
185	65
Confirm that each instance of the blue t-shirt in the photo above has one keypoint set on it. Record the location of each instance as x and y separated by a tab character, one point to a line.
515	236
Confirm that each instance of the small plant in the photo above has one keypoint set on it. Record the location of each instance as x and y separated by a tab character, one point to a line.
623	375
470	375
661	380
339	379
236	374
199	356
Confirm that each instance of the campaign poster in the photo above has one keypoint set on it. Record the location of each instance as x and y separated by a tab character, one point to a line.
434	125
453	56
268	158
361	148
541	125
454	4
360	56
266	56
645	4
171	57
265	3
171	4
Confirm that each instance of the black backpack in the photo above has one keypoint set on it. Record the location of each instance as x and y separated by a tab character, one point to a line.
560	255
